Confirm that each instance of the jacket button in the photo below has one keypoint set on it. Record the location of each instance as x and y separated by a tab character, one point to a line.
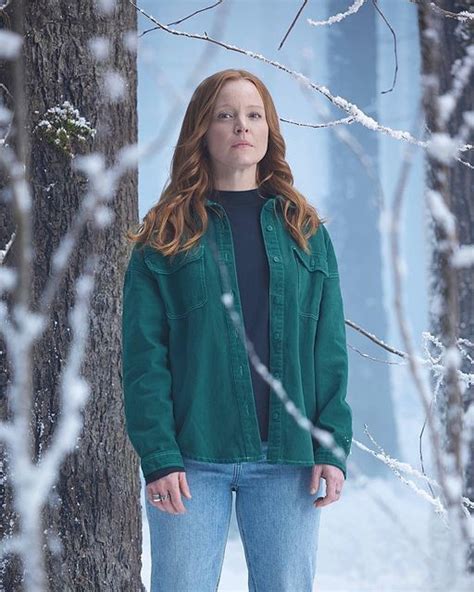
276	374
269	227
276	415
276	335
276	258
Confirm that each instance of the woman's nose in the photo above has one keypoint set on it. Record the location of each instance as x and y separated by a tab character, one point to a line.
240	126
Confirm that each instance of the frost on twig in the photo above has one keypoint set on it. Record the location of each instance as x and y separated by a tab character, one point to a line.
351	109
21	327
4	252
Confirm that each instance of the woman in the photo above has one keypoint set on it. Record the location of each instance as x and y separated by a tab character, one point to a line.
202	419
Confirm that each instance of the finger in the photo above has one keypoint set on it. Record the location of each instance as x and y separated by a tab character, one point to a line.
331	495
184	485
152	490
165	504
170	505
175	500
172	502
174	490
315	479
162	505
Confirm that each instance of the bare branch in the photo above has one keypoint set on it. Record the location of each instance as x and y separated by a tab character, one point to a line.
350	108
376	340
394	47
364	355
195	13
293	23
184	18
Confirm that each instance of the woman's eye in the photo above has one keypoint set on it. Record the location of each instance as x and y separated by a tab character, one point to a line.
223	114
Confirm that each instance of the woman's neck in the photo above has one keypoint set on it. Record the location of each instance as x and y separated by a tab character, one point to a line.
229	187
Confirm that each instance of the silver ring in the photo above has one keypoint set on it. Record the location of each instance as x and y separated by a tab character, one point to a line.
157	497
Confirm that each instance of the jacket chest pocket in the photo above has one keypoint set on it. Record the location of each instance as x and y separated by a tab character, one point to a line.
311	269
181	280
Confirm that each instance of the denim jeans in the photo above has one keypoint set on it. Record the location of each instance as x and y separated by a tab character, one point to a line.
277	521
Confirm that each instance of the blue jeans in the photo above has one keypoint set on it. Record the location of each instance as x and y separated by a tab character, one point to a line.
277	521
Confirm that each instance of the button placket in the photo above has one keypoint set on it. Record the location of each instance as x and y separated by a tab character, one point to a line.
268	222
239	358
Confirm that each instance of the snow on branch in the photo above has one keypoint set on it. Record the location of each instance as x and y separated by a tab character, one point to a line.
398	467
21	327
3	253
462	16
350	108
337	18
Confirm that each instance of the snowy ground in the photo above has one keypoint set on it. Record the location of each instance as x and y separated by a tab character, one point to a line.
378	538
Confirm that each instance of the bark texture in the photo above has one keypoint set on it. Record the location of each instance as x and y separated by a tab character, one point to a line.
444	42
92	522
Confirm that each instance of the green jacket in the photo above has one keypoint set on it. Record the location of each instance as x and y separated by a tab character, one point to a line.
185	371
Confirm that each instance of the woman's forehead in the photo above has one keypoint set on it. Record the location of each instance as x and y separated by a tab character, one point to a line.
241	87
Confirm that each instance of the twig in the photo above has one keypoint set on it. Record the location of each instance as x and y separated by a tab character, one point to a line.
293	23
184	18
460	16
377	340
374	2
350	108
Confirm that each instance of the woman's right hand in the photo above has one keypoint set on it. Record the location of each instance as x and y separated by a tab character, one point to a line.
174	483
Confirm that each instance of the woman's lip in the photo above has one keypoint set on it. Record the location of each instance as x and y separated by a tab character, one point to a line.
241	144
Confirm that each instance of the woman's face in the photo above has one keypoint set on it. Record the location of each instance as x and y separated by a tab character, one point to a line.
238	116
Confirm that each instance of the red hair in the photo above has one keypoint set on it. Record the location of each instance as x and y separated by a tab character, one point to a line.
178	220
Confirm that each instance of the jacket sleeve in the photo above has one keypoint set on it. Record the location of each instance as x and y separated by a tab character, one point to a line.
331	368
146	377
161	473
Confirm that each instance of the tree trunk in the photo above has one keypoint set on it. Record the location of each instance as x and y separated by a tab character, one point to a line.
92	522
451	288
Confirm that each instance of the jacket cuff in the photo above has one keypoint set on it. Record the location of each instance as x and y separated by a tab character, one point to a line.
160	460
323	456
161	473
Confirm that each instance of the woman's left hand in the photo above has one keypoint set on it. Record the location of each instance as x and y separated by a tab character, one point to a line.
334	478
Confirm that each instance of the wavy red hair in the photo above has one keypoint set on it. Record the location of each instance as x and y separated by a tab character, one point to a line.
179	218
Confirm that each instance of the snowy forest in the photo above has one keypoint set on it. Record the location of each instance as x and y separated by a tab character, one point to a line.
375	102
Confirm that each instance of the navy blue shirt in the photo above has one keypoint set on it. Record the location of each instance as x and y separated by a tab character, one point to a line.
243	210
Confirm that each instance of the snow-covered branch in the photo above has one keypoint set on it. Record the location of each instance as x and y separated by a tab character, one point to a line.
350	108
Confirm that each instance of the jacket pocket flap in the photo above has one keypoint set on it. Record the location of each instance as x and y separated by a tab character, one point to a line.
313	261
161	264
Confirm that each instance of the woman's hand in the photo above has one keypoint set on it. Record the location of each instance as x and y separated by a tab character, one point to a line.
174	483
334	478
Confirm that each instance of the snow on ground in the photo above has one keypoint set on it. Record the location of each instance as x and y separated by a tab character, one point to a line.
376	538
